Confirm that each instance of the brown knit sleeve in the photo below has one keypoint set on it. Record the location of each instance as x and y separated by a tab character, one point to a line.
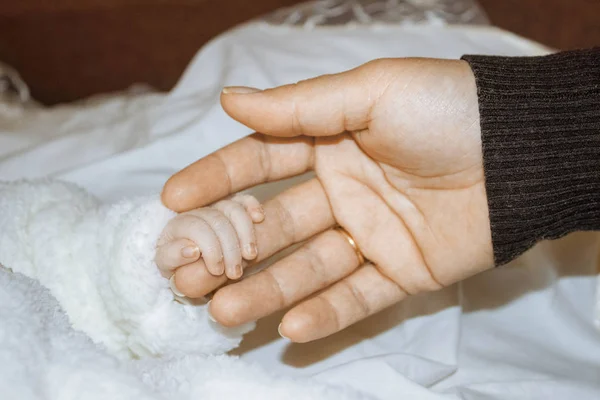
540	126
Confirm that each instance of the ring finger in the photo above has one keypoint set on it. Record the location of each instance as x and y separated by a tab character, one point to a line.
316	265
362	294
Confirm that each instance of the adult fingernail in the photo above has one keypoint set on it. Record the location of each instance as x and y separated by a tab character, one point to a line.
174	289
240	90
190	252
281	334
208	312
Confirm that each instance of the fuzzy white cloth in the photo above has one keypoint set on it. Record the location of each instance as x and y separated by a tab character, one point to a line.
121	334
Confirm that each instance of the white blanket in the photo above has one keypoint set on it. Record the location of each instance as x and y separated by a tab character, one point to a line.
525	331
97	261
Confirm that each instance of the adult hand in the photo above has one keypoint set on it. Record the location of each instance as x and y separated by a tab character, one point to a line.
396	148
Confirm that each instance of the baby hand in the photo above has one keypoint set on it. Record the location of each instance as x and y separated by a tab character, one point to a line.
222	235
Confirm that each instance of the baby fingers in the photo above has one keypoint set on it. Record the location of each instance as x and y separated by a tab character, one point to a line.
172	255
243	212
251	205
222	235
214	235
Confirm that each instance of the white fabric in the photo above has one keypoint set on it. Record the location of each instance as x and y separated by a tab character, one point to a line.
97	261
521	332
43	358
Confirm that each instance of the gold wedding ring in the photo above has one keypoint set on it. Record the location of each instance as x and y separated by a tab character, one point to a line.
352	242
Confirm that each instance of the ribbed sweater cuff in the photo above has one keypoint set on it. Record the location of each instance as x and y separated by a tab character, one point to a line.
540	126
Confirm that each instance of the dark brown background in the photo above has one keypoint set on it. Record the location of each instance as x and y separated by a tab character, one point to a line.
73	48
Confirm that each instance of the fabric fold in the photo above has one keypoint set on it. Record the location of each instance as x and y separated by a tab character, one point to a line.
98	261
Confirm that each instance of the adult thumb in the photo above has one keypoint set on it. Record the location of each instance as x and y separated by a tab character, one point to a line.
322	106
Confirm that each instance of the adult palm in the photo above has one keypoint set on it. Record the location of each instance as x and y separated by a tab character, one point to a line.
396	148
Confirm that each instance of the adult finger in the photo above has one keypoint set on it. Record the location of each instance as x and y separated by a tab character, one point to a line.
354	298
194	281
319	263
322	106
291	217
243	164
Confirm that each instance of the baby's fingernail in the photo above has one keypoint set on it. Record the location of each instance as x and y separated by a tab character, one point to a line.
174	289
220	267
251	250
281	334
240	90
208	312
238	271
190	252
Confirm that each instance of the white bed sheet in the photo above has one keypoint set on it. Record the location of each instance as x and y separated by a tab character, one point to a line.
521	332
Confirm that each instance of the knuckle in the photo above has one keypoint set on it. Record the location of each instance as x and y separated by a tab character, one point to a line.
191	223
276	289
334	316
211	251
285	221
297	125
358	298
232	249
314	262
264	159
222	226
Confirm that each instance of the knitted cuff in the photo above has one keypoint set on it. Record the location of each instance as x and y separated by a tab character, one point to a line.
540	126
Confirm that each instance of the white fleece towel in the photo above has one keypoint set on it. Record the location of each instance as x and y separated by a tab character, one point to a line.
95	262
